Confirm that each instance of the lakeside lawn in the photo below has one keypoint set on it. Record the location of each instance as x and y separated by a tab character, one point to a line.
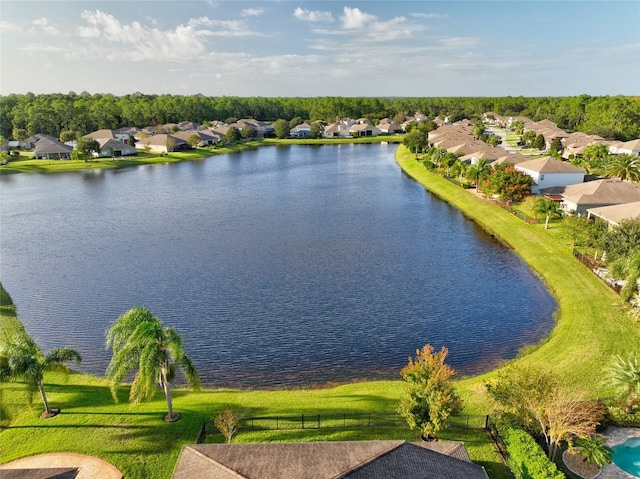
26	164
593	325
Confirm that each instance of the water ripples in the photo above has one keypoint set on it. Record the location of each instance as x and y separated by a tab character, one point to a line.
280	267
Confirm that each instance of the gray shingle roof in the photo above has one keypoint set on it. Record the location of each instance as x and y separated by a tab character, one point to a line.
326	460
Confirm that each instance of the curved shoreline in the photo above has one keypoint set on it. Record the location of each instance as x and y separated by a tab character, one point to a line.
591	322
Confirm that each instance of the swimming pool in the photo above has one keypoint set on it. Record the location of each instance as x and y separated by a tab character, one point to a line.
627	456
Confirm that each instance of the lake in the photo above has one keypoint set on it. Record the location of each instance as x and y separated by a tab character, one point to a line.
282	266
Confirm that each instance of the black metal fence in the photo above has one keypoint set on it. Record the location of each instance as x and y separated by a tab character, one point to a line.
595	267
337	421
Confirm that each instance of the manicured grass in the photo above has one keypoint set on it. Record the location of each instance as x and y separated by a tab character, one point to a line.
142	158
593	325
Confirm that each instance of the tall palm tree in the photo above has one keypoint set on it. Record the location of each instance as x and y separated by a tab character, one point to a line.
142	343
624	376
25	360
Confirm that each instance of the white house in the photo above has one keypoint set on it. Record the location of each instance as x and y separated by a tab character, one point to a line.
610	191
548	172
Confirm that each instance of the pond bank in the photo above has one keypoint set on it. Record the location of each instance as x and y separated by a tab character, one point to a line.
591	320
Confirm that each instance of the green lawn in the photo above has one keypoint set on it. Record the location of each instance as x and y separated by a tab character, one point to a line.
592	326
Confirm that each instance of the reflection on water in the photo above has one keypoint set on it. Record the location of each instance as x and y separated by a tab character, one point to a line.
279	266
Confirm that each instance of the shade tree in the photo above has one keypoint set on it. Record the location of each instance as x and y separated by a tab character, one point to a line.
538	401
430	397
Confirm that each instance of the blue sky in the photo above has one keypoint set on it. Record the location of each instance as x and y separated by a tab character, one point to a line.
321	48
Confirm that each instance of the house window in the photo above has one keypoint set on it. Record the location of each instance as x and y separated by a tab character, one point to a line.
541	177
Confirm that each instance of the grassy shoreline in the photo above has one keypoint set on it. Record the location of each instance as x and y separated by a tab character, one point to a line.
16	166
592	325
592	322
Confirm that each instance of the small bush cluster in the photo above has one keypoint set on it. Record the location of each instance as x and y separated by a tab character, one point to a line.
617	416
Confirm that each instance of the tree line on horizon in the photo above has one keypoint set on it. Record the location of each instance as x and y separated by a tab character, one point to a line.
612	117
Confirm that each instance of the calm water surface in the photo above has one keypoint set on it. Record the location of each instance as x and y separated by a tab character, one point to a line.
281	266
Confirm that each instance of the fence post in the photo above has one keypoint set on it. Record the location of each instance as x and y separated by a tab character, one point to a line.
369	419
252	424
344	420
277	427
303	421
318	421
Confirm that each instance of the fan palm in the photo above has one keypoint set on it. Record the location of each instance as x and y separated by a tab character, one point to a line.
624	376
625	167
24	360
546	207
142	343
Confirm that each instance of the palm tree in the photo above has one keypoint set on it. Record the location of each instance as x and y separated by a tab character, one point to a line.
594	450
625	167
24	360
546	207
142	343
627	267
624	376
477	171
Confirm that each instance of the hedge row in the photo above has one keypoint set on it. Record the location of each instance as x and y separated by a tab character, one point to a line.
525	457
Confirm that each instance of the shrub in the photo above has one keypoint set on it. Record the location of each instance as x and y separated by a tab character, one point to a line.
228	423
525	457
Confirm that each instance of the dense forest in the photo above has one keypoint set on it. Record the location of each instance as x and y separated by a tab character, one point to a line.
615	117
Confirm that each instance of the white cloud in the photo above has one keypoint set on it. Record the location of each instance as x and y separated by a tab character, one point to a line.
429	15
459	42
107	37
355	19
312	15
42	48
9	27
228	28
42	25
251	12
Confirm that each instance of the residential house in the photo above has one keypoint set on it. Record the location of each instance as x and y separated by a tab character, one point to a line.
614	214
114	148
51	149
262	129
336	130
162	143
577	199
123	134
328	460
100	134
511	158
303	130
364	129
30	142
548	172
628	147
473	158
389	128
205	138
